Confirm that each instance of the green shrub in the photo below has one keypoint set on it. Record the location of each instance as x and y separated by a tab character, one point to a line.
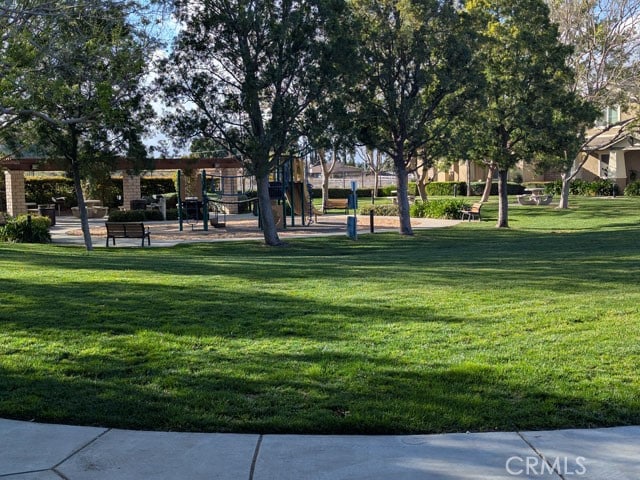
599	187
604	188
633	189
388	210
512	188
153	215
127	215
26	229
441	208
446	188
172	214
156	186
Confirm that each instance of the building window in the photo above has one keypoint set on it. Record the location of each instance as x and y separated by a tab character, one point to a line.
610	116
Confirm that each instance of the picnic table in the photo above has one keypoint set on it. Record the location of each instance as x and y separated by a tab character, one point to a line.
534	196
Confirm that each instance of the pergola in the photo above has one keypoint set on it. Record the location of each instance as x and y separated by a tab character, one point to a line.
14	169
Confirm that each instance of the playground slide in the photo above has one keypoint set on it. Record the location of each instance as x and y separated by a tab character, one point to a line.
298	201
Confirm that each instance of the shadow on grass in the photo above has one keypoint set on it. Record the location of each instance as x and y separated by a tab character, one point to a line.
106	391
239	337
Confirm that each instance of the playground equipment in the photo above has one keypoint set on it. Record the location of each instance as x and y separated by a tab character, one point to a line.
297	191
222	194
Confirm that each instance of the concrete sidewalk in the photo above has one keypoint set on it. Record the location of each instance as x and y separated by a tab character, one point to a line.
34	451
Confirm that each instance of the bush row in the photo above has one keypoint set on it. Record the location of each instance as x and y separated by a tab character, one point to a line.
43	190
26	229
388	210
141	215
599	187
440	208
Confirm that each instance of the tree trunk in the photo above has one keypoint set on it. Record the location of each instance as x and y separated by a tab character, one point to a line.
327	170
487	186
402	177
468	165
422	191
266	215
77	183
503	205
376	184
564	192
84	219
421	182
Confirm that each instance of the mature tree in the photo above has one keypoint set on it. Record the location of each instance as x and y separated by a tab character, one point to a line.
246	73
529	107
605	36
74	82
376	162
327	166
417	62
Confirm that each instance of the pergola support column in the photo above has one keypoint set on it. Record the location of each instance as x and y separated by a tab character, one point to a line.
14	184
130	189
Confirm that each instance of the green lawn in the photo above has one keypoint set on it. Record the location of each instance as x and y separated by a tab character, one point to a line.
466	328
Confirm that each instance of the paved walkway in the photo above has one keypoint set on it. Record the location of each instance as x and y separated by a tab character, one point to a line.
239	227
34	451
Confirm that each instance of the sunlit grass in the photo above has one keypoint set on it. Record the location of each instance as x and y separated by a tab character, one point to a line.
467	328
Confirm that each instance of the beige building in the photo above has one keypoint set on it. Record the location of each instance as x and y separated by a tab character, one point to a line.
614	154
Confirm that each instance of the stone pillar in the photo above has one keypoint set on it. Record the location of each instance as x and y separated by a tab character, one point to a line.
130	189
14	184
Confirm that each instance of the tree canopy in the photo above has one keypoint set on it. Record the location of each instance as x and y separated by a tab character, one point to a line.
245	74
529	108
73	85
417	74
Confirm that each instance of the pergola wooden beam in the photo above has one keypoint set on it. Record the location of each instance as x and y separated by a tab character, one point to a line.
41	164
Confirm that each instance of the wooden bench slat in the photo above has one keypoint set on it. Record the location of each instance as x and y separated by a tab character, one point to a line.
473	212
336	203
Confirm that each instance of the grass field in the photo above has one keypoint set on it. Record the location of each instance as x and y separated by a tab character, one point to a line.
466	328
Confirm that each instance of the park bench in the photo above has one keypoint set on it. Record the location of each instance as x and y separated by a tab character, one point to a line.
471	213
336	203
127	230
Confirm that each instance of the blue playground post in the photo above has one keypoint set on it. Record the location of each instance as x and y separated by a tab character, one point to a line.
352	221
205	202
179	199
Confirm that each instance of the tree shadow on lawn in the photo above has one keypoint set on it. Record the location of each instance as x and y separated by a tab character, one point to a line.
374	257
349	397
170	366
114	308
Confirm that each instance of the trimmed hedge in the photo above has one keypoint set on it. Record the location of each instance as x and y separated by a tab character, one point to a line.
136	215
512	188
599	187
446	188
156	186
26	229
42	190
388	210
